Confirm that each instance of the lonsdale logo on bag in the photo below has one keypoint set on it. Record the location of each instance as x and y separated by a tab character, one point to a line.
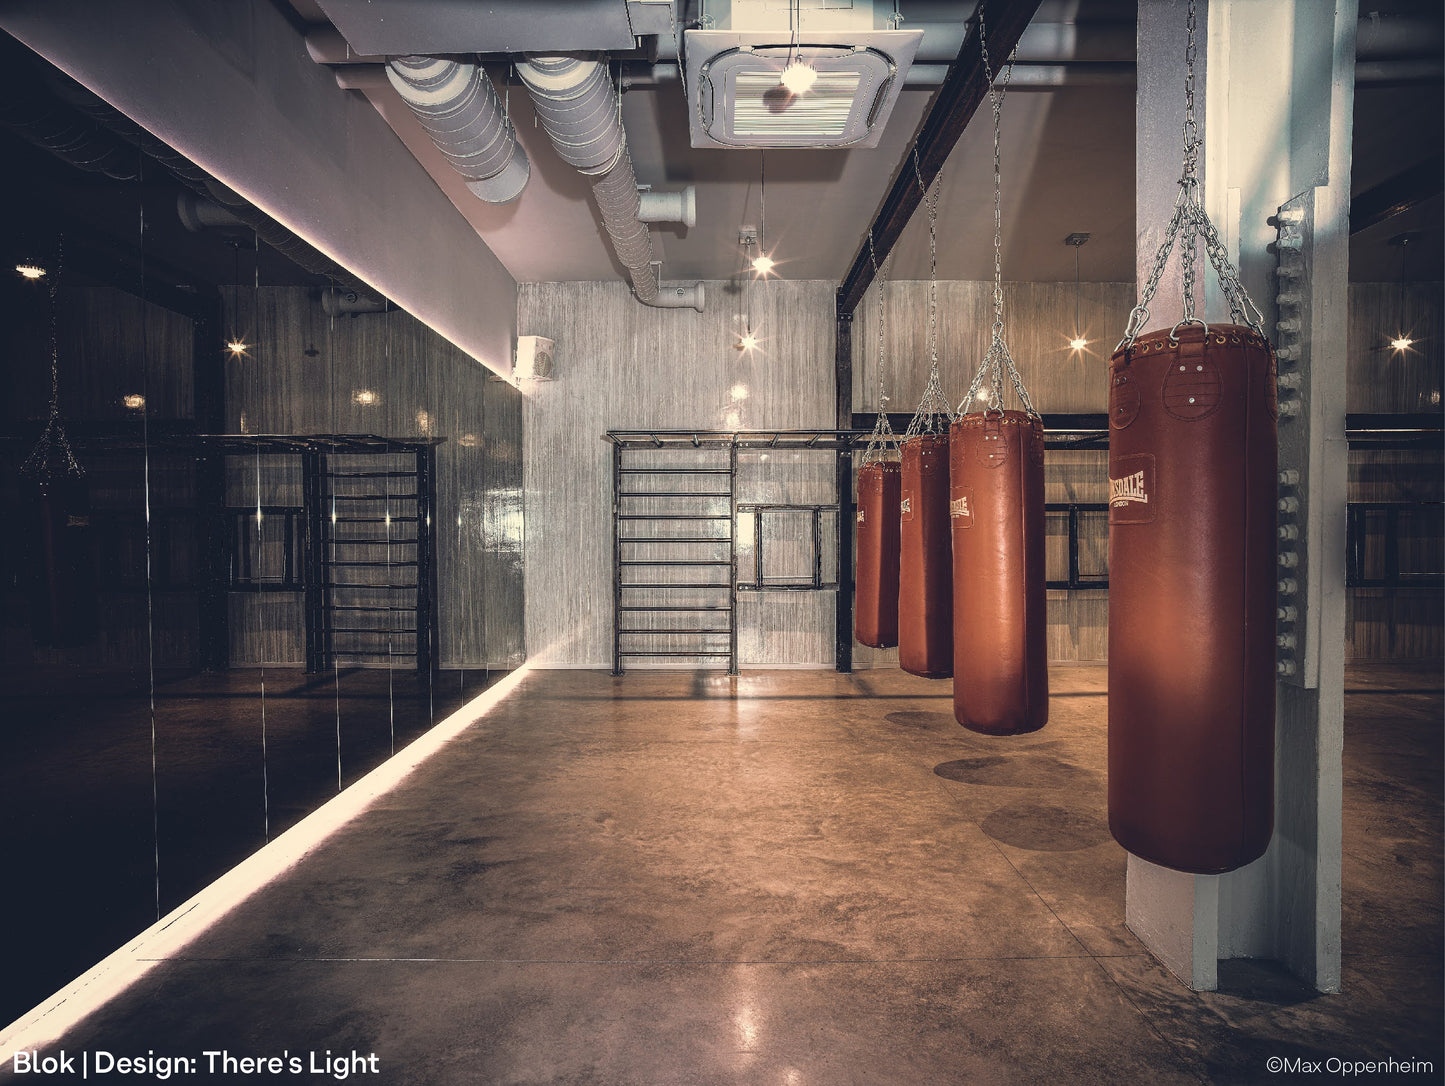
1133	491
958	507
905	506
1128	489
860	516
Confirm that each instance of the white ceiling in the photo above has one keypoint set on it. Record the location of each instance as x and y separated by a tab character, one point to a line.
1068	166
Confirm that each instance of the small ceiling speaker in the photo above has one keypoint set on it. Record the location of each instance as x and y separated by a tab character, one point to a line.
534	359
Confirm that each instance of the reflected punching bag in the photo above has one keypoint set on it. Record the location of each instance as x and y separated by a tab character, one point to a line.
996	510
1192	491
60	566
876	604
925	565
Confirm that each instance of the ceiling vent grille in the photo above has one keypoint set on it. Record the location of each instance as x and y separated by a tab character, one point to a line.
738	99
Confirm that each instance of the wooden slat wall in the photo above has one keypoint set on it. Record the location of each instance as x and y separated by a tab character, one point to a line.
1038	324
302	375
622	365
1382	379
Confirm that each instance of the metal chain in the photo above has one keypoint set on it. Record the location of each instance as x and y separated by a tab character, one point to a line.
934	413
1188	224
53	438
996	360
882	441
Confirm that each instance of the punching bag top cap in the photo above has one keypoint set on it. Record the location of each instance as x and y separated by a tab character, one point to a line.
1164	339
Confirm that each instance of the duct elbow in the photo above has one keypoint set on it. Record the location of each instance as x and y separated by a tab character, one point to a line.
677	296
680	206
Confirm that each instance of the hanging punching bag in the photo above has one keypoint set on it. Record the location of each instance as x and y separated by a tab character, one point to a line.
1192	490
880	484
925	564
60	570
996	510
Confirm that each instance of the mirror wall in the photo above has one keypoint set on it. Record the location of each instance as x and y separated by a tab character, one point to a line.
263	530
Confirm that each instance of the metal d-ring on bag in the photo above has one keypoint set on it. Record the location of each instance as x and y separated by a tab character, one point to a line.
1192	574
996	513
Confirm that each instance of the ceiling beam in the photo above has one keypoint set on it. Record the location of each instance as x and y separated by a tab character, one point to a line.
953	107
1400	193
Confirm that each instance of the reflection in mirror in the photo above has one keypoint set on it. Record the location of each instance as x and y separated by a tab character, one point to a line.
266	530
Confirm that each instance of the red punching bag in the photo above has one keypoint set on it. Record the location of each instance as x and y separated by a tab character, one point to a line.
925	566
1192	490
60	570
880	485
996	507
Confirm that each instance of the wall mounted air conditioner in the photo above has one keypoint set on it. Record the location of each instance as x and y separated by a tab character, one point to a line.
534	359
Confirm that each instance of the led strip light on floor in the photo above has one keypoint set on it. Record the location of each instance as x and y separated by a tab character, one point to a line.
167	937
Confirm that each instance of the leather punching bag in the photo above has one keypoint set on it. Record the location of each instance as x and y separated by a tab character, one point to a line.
925	565
60	572
880	485
1192	491
996	510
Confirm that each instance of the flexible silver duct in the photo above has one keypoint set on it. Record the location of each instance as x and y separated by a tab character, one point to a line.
458	106
579	110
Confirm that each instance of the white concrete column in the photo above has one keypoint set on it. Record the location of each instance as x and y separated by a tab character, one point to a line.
1274	98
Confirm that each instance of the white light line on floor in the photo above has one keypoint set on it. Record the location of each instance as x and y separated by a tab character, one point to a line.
168	936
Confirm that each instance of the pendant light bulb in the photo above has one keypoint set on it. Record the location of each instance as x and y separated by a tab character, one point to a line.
1078	343
799	77
749	342
1401	343
763	263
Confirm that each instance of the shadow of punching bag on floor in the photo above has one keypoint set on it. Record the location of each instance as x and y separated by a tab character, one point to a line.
996	507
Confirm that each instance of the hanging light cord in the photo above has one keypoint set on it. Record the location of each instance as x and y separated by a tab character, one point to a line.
997	360
1076	289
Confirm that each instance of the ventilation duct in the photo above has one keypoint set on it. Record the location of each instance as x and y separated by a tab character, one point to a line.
458	106
339	302
578	108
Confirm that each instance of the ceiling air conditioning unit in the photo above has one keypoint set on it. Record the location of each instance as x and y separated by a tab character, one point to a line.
735	74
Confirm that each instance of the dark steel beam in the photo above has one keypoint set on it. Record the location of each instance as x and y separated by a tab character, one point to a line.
964	88
1400	193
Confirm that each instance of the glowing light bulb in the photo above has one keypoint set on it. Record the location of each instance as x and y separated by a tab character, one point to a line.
748	342
799	77
1402	343
236	347
135	401
763	263
1078	343
30	271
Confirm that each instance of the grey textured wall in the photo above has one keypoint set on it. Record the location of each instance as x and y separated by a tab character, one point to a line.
621	365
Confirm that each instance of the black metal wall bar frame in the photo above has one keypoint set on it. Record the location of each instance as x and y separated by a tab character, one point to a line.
1357	518
1066	431
760	581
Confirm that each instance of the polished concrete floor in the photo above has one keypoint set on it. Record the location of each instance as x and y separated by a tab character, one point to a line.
792	878
118	802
